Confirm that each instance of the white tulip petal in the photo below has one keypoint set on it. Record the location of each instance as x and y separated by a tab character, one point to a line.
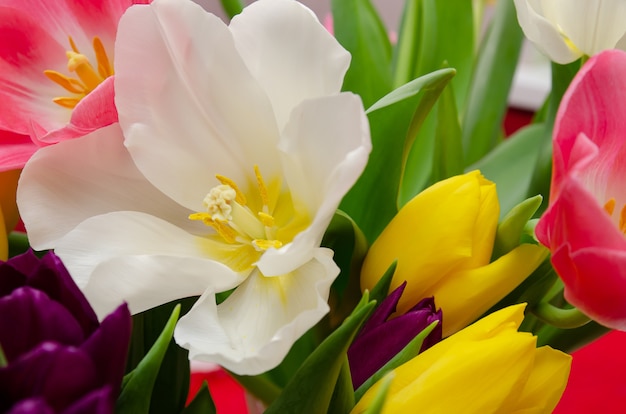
591	25
289	52
141	259
543	32
252	331
187	103
66	183
326	145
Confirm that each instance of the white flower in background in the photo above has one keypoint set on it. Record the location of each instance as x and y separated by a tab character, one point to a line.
565	30
239	148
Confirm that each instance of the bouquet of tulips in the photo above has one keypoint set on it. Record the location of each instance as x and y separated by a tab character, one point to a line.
335	219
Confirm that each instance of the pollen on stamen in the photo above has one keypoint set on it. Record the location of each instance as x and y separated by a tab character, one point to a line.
241	198
262	245
266	219
622	220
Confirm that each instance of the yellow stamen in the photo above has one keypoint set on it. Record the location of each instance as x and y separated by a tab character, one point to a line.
66	102
622	220
105	69
87	77
610	206
224	230
241	199
266	244
262	187
70	84
266	219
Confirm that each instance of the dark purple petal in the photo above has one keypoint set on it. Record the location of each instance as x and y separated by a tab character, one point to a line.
371	351
10	278
108	347
384	310
30	317
60	375
31	406
101	401
52	277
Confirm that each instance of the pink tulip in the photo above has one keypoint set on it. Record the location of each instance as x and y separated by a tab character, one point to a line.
585	223
56	68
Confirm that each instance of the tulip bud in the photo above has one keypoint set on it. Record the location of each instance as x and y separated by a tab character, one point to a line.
443	240
487	367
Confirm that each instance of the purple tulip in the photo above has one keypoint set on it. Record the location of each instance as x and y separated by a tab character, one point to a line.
60	359
382	338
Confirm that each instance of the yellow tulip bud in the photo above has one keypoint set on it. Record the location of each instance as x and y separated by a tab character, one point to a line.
487	367
442	240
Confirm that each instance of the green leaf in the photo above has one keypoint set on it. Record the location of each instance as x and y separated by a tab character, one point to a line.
137	386
410	351
342	400
259	385
359	29
18	243
394	120
202	403
381	289
349	245
378	402
490	84
405	57
311	388
448	143
511	228
509	163
232	7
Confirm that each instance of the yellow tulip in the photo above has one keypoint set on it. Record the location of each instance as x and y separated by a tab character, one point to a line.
442	240
8	208
487	367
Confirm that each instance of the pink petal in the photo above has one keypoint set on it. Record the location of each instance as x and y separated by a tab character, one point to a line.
15	150
595	282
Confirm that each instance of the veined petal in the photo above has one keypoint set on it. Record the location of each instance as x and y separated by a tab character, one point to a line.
66	183
15	150
290	53
25	92
325	148
252	331
203	107
144	261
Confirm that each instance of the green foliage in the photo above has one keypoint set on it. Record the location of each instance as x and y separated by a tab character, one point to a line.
508	165
511	228
202	403
490	83
359	29
138	385
312	387
394	120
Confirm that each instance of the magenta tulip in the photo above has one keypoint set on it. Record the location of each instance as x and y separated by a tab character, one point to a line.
383	336
585	222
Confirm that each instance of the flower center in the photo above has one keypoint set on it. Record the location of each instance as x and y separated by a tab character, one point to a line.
232	217
87	78
609	207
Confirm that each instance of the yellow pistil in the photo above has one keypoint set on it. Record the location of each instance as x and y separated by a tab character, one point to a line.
87	78
229	214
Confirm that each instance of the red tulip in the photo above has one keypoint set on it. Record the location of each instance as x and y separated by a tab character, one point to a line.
585	223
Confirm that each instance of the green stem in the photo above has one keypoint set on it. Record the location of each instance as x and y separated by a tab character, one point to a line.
558	317
260	386
232	7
